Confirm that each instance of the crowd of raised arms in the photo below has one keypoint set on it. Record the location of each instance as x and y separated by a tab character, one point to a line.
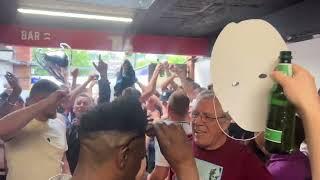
63	133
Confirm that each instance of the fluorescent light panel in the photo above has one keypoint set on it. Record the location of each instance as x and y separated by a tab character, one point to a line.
74	15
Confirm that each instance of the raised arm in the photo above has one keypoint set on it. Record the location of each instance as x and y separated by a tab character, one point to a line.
73	94
177	150
183	78
142	86
168	81
75	74
190	66
12	123
104	84
91	85
152	84
6	106
301	91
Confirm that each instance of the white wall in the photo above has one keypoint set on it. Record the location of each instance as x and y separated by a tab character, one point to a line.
202	72
307	54
4	67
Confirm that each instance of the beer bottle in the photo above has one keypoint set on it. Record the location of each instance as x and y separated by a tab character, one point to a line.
280	130
161	71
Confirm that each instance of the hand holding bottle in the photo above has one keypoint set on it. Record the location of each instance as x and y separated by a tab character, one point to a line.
300	89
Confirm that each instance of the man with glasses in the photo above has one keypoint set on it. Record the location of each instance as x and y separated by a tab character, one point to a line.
227	159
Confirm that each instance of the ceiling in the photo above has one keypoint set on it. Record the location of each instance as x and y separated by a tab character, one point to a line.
191	18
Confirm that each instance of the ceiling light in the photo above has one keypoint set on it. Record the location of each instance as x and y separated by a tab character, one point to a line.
74	15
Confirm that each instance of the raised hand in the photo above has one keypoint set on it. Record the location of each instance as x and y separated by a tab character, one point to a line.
159	68
166	65
75	72
193	59
56	98
102	67
93	83
175	147
14	83
178	71
92	77
300	89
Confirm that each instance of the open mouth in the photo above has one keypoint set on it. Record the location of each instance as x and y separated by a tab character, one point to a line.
198	131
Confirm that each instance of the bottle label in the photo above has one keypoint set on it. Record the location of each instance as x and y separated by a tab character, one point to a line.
273	135
285	68
279	102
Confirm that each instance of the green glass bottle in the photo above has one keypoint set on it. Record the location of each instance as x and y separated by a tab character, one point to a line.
280	130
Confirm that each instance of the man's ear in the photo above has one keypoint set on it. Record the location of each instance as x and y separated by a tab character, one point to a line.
123	155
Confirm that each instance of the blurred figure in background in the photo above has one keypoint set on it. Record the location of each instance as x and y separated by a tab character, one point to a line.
104	84
164	98
154	110
10	101
178	107
83	104
190	87
126	77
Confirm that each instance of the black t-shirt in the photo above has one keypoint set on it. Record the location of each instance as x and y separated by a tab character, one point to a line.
73	146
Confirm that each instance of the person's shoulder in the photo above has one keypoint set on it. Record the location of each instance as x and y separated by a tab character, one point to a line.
288	166
236	145
253	166
240	150
292	160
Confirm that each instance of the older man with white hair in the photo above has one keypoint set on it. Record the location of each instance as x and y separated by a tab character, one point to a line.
227	159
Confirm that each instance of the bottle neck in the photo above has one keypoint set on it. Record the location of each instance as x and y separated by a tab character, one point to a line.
285	61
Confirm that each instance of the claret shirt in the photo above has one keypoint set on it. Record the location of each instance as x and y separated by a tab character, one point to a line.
232	161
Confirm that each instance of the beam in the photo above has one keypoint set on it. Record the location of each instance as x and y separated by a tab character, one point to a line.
99	40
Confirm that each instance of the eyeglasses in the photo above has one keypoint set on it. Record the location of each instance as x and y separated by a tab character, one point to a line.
208	117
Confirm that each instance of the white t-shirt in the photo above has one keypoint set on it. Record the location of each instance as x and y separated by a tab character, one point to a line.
192	104
36	152
160	160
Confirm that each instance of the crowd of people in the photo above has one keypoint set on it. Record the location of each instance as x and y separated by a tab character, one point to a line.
63	132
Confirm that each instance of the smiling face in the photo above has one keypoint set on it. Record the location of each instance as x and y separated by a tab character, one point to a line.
82	104
206	131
